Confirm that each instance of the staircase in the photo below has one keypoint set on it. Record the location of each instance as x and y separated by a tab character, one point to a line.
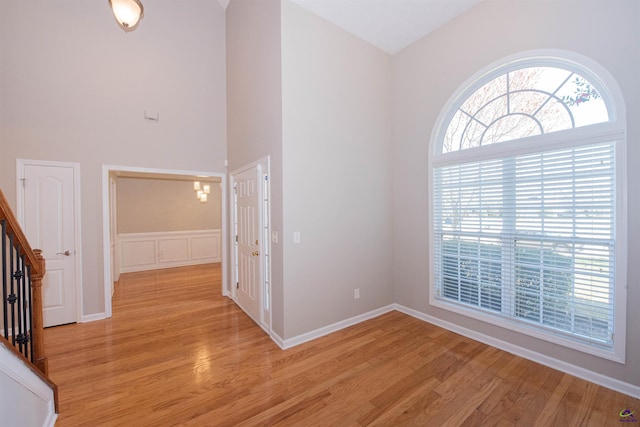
28	396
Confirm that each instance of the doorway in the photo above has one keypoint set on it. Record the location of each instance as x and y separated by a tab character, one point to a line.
109	191
251	242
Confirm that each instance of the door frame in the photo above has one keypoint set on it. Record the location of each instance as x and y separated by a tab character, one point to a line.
106	224
264	166
77	223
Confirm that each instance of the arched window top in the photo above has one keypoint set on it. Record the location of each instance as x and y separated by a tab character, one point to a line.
527	101
530	234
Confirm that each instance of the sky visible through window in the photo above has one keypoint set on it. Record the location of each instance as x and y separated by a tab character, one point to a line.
523	103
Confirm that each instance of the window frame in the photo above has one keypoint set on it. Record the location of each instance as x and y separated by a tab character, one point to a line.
612	131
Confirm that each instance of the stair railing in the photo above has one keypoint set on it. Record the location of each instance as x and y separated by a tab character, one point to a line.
23	269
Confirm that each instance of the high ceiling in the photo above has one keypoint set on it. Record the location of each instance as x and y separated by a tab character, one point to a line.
390	25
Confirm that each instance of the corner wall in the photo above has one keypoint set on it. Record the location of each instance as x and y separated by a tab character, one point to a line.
427	73
336	98
74	88
254	106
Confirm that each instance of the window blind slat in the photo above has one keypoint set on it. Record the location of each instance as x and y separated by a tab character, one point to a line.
530	237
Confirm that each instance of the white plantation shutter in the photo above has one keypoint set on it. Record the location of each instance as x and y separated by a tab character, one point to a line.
531	238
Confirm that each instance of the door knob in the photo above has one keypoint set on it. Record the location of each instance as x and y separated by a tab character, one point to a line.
255	253
65	253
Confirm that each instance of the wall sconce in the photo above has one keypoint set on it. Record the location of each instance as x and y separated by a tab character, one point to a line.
202	191
127	13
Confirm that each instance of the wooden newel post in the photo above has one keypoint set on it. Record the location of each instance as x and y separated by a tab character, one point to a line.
37	330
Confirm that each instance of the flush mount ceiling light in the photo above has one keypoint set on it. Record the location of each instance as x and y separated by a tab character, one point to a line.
127	13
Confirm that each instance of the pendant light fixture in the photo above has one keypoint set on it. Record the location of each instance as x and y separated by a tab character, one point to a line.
127	13
202	191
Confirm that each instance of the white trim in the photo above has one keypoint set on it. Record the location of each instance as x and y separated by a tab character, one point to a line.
553	363
264	168
533	331
77	223
153	258
585	135
278	340
568	368
614	130
93	317
329	329
622	252
587	67
106	235
14	368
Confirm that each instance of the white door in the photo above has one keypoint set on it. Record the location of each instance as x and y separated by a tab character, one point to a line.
48	219
248	203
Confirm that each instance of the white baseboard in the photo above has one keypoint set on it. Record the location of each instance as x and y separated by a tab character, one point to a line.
577	371
585	374
93	317
277	339
326	330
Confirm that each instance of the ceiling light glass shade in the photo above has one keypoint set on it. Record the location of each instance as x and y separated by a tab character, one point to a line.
127	13
196	185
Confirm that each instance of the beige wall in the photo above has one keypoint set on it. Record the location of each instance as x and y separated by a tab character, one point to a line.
427	73
254	102
74	87
317	101
158	205
337	173
346	126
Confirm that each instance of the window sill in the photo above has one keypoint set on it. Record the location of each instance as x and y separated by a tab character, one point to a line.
615	353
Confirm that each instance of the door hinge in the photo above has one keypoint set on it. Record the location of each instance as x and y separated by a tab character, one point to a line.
24	182
237	285
236	238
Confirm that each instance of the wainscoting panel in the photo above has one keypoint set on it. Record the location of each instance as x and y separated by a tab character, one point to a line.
150	251
206	247
173	250
137	253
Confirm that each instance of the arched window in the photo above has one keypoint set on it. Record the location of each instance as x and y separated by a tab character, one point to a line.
524	102
526	204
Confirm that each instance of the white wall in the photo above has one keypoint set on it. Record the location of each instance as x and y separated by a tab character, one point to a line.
337	173
74	87
428	72
25	399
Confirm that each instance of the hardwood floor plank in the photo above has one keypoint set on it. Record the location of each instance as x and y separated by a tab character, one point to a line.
176	352
405	410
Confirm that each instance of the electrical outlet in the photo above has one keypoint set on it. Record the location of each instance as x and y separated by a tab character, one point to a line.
356	293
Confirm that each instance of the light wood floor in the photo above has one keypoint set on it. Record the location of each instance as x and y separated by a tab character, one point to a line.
176	352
